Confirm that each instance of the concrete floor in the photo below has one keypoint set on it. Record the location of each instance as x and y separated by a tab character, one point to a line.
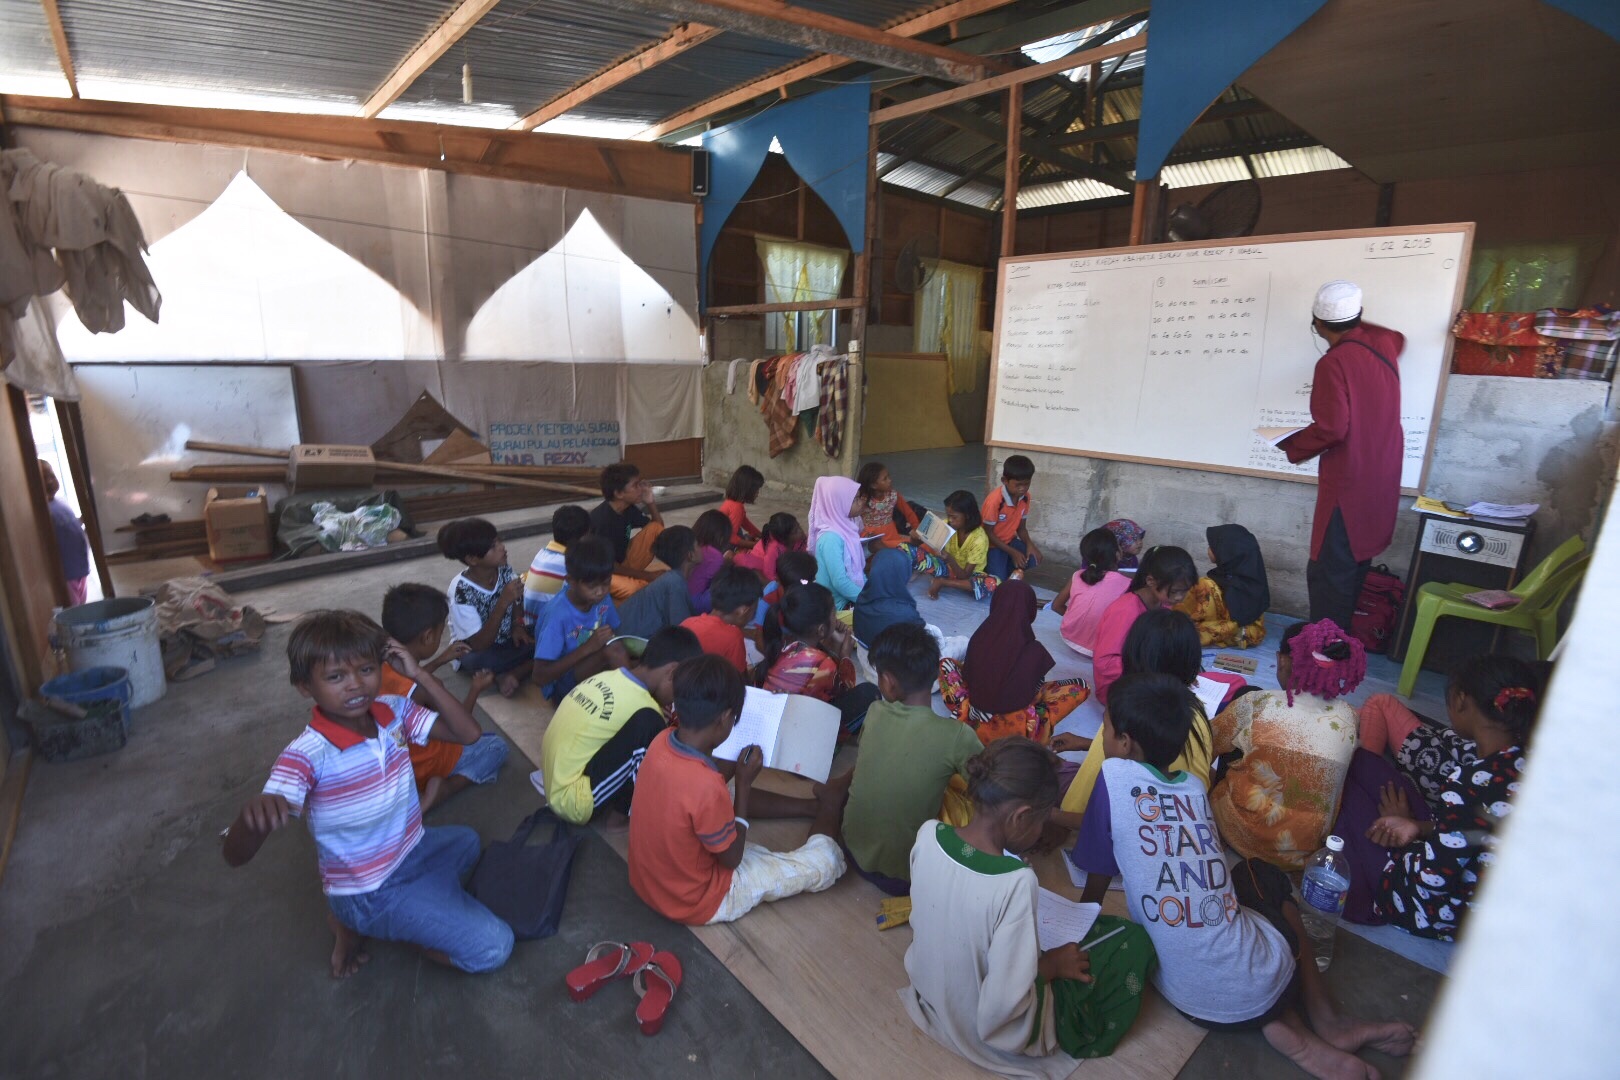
128	948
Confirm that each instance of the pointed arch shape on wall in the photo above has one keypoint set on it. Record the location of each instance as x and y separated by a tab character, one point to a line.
1197	49
824	138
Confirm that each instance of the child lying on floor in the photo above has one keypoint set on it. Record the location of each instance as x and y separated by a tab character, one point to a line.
690	859
1233	954
348	775
415	616
980	983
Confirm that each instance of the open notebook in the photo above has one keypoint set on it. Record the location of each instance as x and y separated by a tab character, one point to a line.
934	531
798	734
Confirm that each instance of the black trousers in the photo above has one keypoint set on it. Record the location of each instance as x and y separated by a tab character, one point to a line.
1333	579
612	771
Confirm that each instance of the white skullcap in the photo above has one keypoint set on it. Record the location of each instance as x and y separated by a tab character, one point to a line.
1337	301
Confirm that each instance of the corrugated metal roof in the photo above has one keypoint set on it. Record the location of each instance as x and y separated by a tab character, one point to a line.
1300	159
1199	173
1067	191
291	48
27	58
711	68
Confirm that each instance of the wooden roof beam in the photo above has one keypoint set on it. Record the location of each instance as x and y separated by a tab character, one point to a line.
686	36
53	16
425	55
820	65
773	20
1002	82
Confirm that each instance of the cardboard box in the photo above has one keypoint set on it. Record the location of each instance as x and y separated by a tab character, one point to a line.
327	465
237	521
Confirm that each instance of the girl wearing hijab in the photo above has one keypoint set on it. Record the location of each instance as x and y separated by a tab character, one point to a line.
835	537
886	600
1000	688
1228	604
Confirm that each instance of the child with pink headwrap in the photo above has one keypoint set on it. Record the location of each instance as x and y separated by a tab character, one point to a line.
1277	802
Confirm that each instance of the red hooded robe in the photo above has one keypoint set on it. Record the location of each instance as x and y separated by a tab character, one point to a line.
1356	428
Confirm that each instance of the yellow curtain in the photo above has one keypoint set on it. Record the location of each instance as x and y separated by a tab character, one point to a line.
946	318
796	272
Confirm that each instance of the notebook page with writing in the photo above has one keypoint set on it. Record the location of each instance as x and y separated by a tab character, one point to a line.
758	725
1061	921
1210	694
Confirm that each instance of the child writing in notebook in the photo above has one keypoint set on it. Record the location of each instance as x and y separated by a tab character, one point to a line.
744	487
961	565
415	616
981	984
886	509
1233	953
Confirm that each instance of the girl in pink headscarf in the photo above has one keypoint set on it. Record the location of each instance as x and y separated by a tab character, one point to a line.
836	505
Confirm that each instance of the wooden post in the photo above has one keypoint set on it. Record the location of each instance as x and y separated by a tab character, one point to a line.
863	262
37	499
1141	209
1009	186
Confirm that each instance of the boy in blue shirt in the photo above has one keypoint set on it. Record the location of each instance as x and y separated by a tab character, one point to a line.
571	642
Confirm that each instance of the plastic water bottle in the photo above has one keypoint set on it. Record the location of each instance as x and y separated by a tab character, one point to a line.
1325	885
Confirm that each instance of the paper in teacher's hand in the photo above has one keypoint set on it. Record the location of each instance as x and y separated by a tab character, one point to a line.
1061	921
1275	435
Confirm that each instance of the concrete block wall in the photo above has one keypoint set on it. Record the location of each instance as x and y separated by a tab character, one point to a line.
1507	440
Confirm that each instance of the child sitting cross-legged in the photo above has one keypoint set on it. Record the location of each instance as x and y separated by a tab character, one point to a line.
571	642
486	603
712	532
1233	954
594	745
809	651
348	775
908	755
980	983
690	859
735	593
545	577
962	564
743	488
1229	603
886	510
665	602
415	616
782	534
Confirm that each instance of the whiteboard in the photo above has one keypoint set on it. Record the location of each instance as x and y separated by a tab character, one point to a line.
1174	354
137	418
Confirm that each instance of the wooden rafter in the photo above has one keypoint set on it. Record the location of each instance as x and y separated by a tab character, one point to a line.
1002	82
425	55
813	67
772	20
59	39
686	36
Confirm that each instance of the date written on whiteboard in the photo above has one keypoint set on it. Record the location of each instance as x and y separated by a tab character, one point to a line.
1399	243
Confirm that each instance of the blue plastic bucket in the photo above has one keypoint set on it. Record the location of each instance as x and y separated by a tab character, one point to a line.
92	684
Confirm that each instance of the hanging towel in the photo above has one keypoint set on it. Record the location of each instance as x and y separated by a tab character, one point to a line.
834	404
779	418
807	386
731	375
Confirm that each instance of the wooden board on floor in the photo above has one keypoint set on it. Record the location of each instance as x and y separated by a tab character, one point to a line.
822	968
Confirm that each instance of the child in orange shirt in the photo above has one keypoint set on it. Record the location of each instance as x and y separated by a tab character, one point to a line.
743	489
882	503
1005	509
415	616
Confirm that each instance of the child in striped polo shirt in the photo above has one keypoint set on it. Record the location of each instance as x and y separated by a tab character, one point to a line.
348	774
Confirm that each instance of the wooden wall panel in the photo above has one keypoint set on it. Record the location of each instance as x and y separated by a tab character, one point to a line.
30	575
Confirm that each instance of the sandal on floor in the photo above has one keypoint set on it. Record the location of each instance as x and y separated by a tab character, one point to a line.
607	961
657	992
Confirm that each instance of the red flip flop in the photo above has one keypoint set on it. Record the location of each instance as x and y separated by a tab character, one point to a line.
656	992
607	961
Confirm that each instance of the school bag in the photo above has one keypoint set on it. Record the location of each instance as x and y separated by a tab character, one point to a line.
1378	609
525	884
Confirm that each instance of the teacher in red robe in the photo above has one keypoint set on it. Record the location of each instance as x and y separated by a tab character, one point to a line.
1356	430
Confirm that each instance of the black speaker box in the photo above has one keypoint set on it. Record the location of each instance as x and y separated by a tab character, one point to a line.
1484	555
700	172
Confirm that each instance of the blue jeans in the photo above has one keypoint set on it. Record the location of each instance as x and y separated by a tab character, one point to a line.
481	762
423	903
500	658
1000	564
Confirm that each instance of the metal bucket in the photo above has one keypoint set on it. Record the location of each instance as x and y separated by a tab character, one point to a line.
119	633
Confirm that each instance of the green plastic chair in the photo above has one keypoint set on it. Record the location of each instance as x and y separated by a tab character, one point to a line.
1541	594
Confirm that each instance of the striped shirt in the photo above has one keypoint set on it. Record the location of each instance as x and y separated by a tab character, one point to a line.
357	795
545	578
